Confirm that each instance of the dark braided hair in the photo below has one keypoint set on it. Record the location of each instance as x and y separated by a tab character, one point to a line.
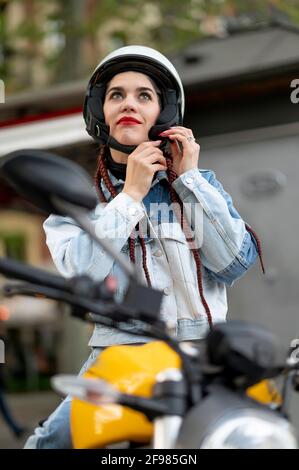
102	174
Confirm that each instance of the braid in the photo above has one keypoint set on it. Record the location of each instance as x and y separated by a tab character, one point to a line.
132	250
102	174
97	179
259	247
188	234
144	263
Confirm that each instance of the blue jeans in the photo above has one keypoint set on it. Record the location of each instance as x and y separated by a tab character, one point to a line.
55	431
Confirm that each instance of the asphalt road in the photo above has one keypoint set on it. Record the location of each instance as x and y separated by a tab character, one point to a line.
28	409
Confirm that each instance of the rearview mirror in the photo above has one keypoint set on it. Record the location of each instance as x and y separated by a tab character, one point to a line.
42	177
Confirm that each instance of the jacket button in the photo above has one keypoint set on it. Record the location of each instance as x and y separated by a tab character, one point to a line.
189	180
132	210
167	290
158	253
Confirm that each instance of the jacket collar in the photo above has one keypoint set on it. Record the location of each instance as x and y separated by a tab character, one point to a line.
118	183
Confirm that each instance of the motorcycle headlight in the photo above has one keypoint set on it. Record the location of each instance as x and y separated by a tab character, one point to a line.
250	429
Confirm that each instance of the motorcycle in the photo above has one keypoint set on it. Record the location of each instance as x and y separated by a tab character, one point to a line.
165	394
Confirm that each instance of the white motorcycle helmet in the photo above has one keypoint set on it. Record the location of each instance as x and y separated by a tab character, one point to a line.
138	59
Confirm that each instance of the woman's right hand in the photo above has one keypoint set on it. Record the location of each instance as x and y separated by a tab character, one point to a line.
142	164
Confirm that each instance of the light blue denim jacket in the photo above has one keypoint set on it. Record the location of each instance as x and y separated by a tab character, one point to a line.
227	249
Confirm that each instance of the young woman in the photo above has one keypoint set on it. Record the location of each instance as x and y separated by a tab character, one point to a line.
173	220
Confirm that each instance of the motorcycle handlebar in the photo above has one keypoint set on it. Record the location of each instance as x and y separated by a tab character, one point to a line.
17	270
87	295
108	314
82	305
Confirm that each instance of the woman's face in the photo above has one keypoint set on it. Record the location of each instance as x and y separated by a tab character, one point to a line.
131	95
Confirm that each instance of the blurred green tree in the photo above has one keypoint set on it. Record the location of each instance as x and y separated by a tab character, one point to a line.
50	41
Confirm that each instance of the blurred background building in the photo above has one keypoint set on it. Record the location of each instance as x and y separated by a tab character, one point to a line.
238	62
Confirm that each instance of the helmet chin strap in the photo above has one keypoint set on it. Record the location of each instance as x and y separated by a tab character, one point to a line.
113	143
102	131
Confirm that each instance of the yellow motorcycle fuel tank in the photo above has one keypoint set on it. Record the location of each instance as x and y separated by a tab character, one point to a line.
130	369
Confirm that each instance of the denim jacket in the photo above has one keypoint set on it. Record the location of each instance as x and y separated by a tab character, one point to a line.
226	249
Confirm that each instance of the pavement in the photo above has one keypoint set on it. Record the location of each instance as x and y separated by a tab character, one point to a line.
28	409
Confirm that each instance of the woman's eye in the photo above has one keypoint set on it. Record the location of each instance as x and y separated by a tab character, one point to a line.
146	95
115	93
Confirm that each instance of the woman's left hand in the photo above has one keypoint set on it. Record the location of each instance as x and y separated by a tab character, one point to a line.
187	159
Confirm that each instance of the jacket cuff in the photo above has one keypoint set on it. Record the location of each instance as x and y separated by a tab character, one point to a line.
185	183
131	210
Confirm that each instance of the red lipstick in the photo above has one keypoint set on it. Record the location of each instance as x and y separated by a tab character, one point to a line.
128	120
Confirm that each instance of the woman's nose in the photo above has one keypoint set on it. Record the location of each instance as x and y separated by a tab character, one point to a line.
129	103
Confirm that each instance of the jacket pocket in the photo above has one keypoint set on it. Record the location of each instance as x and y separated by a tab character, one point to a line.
178	252
184	273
